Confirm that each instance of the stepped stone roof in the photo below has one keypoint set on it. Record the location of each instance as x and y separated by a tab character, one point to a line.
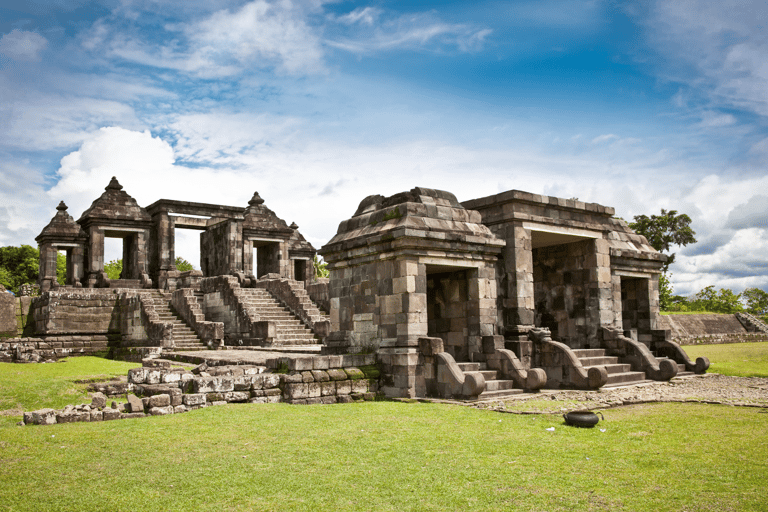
423	213
61	228
261	221
114	206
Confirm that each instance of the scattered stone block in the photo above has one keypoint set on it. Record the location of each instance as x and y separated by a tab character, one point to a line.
110	414
40	417
135	404
161	411
194	399
159	401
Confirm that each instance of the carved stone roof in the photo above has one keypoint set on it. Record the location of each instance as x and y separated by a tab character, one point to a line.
261	221
62	228
115	207
432	216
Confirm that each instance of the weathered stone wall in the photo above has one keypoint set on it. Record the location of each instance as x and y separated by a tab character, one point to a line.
447	311
75	312
708	328
318	292
9	315
35	349
221	249
564	292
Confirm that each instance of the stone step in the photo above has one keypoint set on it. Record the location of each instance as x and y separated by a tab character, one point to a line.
471	367
598	361
499	385
499	394
625	378
613	368
589	352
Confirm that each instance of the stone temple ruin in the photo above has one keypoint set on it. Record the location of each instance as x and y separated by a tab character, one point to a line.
494	296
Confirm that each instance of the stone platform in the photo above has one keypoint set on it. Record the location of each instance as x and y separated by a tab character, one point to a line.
252	355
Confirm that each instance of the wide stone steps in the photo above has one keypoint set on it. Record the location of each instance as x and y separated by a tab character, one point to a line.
184	337
618	374
290	329
495	388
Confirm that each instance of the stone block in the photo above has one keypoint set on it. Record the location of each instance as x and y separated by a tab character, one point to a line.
344	399
327	400
161	411
321	363
313	390
354	373
179	409
73	416
327	388
110	414
128	415
343	387
237	396
337	374
213	384
194	399
243	383
360	386
138	375
302	363
307	377
314	401
40	417
296	391
210	398
159	401
99	400
320	376
135	404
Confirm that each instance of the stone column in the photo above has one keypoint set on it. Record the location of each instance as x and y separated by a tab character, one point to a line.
518	266
95	264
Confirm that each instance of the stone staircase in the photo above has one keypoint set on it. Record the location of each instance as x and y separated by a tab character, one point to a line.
680	368
495	388
618	374
289	329
184	337
133	284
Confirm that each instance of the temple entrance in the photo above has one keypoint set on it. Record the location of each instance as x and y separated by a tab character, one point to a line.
562	285
266	257
635	304
124	243
448	308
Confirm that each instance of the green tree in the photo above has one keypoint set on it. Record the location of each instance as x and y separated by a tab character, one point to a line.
722	301
21	265
662	232
756	301
321	267
665	230
183	265
61	268
113	269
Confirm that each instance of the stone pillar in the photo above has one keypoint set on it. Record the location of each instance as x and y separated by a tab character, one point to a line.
164	258
518	266
75	270
95	264
47	267
600	303
481	307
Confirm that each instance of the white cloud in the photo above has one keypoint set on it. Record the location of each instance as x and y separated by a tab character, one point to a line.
21	45
362	15
725	42
259	34
420	31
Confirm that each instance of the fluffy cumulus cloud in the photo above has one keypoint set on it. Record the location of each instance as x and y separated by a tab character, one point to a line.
21	45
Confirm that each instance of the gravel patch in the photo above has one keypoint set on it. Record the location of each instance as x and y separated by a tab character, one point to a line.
710	388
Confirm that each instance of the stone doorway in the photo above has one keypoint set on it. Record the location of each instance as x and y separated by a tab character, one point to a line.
448	308
635	304
266	257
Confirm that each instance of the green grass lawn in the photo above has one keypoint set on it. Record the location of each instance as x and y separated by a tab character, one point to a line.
377	456
737	359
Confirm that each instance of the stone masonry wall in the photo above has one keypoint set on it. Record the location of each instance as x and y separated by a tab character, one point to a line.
565	293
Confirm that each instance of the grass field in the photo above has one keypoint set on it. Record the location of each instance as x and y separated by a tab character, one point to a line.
737	359
381	456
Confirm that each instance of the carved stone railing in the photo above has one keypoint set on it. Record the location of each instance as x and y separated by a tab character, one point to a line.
637	354
443	376
558	359
751	323
186	305
225	302
293	295
667	348
509	367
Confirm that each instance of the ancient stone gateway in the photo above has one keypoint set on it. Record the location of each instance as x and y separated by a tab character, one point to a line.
472	300
508	291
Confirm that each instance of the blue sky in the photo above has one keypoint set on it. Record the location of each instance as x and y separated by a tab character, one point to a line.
316	104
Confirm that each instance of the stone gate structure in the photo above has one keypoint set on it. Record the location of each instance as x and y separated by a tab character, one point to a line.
475	300
511	290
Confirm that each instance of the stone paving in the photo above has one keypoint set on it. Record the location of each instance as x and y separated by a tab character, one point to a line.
709	388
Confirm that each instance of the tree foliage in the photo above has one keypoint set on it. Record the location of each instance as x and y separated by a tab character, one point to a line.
183	265
756	301
665	230
20	265
113	269
321	267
